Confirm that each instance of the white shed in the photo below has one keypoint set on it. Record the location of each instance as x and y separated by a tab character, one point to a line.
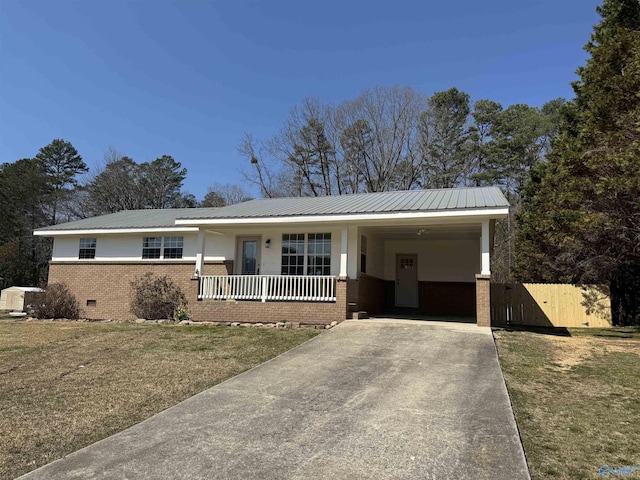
13	298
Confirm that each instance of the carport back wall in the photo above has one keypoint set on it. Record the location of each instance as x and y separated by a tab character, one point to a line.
438	298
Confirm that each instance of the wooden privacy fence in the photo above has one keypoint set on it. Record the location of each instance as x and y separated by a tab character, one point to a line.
549	305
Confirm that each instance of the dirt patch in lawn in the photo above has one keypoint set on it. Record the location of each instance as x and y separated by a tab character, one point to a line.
65	385
576	399
568	352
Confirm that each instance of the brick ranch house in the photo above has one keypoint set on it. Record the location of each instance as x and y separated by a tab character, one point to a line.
308	260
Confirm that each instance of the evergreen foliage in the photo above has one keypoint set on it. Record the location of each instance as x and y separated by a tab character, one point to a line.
580	221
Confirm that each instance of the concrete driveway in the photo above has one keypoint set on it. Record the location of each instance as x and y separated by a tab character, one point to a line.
369	399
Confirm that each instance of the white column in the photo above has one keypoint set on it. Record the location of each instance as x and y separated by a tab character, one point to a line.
199	269
344	245
485	254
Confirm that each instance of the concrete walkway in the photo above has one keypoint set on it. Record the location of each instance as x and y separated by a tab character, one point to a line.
369	399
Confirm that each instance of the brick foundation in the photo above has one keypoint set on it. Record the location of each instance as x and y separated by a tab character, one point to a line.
109	285
483	300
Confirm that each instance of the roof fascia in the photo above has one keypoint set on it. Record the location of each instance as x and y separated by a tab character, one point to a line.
488	213
103	231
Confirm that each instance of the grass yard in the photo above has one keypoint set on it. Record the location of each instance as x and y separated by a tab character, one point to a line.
576	398
65	385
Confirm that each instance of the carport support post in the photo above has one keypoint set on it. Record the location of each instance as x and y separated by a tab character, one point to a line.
483	300
484	249
344	246
199	269
483	280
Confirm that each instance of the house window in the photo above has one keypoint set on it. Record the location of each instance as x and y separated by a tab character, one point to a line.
293	254
173	247
151	247
363	254
159	247
87	248
318	258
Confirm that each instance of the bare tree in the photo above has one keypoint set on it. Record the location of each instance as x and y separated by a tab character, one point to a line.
221	194
365	144
378	131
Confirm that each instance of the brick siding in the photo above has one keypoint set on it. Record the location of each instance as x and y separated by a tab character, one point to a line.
370	294
109	285
483	300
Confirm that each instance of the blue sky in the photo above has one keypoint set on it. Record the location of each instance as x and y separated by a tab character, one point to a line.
189	78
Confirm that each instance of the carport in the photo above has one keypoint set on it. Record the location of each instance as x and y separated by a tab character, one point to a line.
424	270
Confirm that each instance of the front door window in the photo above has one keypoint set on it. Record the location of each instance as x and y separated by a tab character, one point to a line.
248	256
249	262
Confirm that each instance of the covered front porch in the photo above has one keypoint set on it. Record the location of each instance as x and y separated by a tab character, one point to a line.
330	271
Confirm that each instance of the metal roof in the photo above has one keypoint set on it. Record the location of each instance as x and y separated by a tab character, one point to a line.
148	218
381	202
361	203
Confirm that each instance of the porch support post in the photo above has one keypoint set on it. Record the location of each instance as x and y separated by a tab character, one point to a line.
484	249
344	245
199	268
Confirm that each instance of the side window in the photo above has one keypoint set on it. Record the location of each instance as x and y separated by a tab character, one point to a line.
363	254
151	247
173	247
87	248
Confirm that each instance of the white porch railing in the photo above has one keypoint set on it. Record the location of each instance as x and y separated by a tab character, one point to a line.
268	287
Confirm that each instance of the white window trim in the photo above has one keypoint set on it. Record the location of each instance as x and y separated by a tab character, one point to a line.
95	247
305	254
162	247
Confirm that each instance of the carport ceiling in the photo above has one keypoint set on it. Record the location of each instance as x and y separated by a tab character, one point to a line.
425	232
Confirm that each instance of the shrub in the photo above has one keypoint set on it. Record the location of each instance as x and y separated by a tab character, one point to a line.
58	302
156	298
181	314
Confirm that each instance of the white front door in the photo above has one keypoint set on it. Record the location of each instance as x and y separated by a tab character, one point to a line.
407	280
248	256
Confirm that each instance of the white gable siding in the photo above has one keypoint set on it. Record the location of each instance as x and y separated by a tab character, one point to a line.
116	247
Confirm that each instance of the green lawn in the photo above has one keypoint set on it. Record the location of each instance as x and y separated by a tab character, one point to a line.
65	385
576	397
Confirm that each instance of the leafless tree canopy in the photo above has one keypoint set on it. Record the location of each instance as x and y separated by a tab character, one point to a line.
363	145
